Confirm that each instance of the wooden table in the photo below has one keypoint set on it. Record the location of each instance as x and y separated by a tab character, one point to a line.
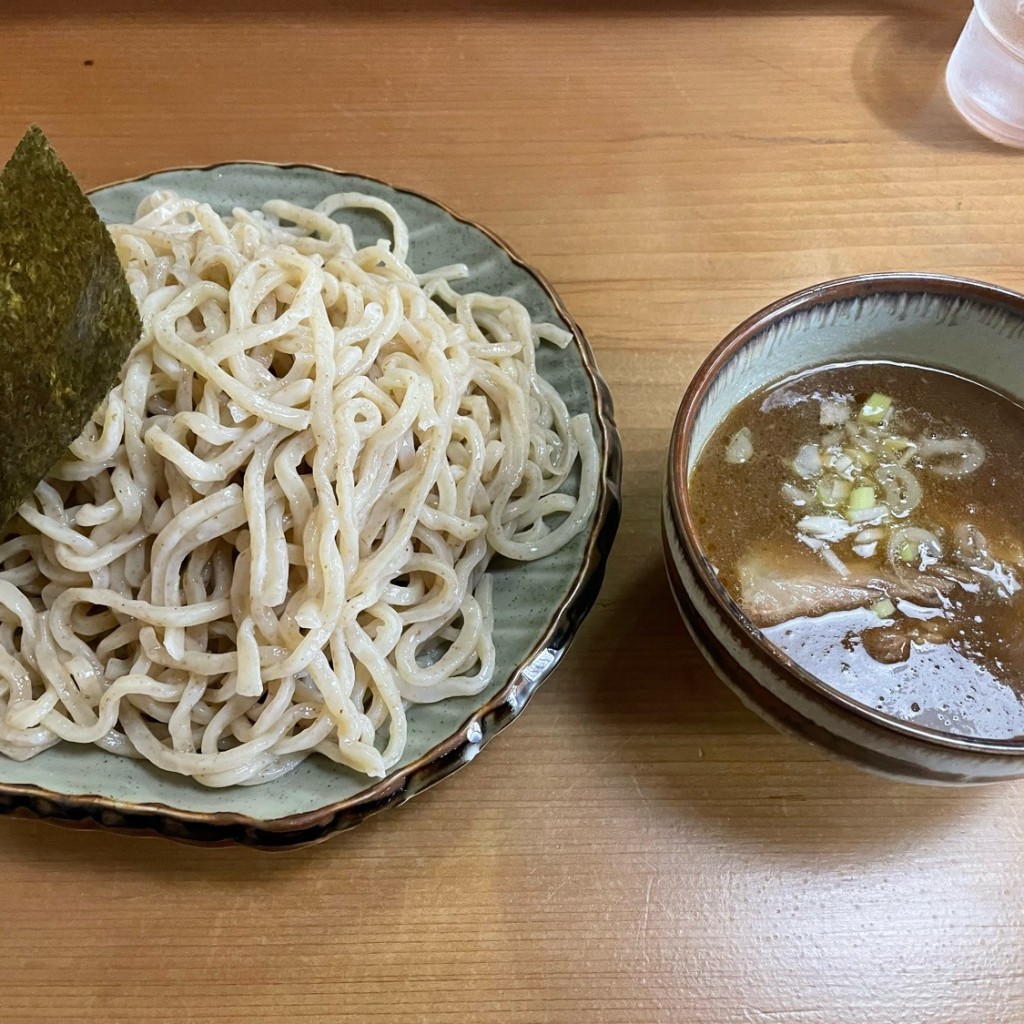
638	847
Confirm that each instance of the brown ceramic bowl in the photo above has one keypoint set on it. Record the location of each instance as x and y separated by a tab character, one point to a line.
965	326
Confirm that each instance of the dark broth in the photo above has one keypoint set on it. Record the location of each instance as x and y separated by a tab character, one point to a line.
915	608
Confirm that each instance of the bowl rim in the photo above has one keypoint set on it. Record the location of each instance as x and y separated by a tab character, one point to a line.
444	758
825	293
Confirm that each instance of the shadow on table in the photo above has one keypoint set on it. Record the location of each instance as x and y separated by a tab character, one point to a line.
695	754
156	855
227	868
898	72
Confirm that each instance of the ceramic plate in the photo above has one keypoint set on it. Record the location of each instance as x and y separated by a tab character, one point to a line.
538	606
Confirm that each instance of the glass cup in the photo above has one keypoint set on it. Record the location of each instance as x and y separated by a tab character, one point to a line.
985	75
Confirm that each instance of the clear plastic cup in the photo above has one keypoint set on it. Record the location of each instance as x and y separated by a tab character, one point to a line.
985	75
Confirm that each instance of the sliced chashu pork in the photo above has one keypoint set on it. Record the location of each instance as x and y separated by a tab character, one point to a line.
776	586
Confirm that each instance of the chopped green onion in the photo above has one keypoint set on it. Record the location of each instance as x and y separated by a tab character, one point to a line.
795	496
807	463
861	498
828	528
966	453
898	444
911	544
859	457
833	491
740	448
884	609
834	561
860	516
875	409
872	533
842	464
834	412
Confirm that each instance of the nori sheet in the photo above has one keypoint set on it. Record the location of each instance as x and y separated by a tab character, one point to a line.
67	317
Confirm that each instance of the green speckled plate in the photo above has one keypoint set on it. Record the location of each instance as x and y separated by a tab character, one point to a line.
538	606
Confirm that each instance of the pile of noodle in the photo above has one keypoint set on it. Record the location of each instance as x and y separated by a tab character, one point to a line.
273	537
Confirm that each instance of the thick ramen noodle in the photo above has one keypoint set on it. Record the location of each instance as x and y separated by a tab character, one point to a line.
274	536
867	518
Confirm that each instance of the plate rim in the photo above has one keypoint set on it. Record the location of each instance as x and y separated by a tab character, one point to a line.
304	828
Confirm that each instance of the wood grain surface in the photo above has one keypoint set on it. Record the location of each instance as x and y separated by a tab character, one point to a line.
638	847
